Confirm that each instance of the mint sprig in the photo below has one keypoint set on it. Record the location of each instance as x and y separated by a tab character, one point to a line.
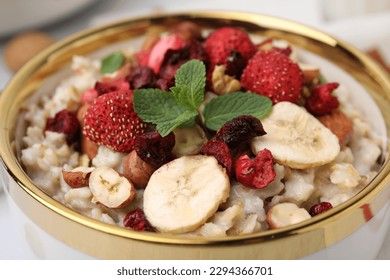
179	108
112	62
223	108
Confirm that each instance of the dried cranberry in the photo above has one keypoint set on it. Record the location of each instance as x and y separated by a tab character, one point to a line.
235	64
142	77
321	101
240	130
173	59
320	208
66	122
218	149
257	173
119	85
164	84
136	220
154	149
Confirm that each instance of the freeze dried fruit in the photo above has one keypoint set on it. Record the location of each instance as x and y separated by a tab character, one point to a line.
220	150
275	75
154	149
239	130
257	173
321	100
112	122
66	122
136	220
320	208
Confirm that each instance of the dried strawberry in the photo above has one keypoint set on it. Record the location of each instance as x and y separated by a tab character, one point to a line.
218	149
136	220
157	54
111	121
321	101
220	44
66	122
142	77
257	173
154	149
273	74
320	208
240	130
118	85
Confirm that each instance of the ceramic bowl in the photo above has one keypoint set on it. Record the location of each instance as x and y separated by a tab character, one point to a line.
54	231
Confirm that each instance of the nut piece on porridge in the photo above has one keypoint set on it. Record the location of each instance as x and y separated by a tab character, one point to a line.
110	189
137	170
286	214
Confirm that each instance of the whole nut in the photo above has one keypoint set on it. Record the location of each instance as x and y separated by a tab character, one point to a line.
24	46
137	170
88	147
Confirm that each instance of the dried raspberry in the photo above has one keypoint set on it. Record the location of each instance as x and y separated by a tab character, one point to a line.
154	149
320	208
111	121
218	149
257	173
273	74
173	59
136	220
119	86
240	130
164	84
321	101
142	77
66	122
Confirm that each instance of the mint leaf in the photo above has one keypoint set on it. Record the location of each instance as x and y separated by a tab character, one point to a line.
190	83
161	108
226	107
112	62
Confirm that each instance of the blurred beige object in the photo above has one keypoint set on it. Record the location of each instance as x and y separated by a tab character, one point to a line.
340	9
24	46
18	15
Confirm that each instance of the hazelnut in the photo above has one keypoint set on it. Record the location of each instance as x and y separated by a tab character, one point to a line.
137	170
24	46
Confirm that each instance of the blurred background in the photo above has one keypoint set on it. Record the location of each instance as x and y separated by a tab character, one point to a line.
27	26
364	23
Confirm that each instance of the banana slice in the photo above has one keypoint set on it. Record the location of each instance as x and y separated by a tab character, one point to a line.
109	188
189	140
296	138
182	194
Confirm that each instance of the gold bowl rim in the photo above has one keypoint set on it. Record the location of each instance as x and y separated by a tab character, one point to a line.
15	171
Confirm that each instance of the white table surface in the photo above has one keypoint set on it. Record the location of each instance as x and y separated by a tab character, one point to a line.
12	247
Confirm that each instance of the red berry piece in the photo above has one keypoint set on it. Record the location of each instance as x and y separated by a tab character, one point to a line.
174	58
119	86
136	220
142	77
220	44
257	173
142	57
66	122
321	101
235	64
273	74
320	208
154	149
111	121
240	130
218	149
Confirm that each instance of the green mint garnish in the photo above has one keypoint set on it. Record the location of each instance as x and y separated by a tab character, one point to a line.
112	62
226	107
190	82
179	108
